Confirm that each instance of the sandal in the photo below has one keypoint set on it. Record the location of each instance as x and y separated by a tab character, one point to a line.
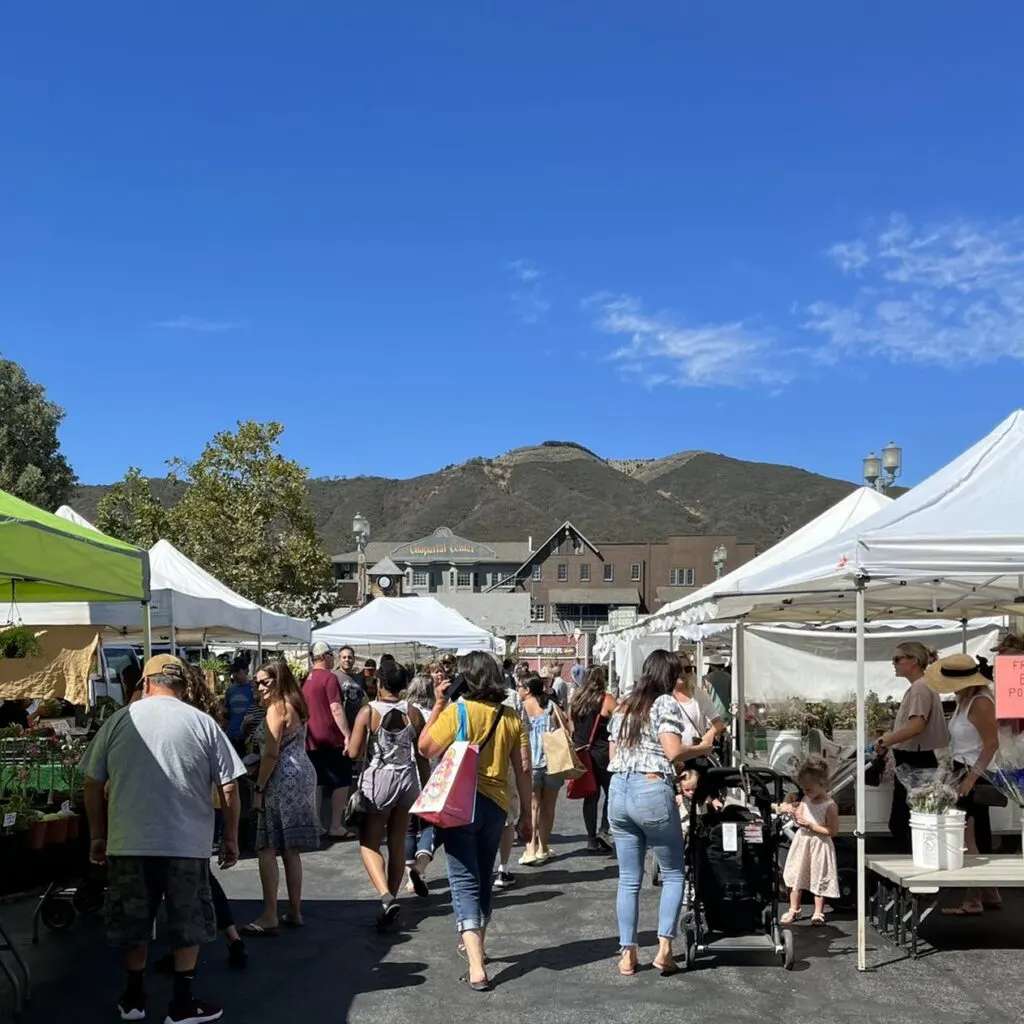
964	910
465	955
627	965
667	969
290	922
527	859
257	931
477	986
817	920
790	916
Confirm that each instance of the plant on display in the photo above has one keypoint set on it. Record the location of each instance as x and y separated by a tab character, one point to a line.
929	790
785	715
19	642
132	512
32	466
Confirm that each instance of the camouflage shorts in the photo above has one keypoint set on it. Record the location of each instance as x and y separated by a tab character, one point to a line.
137	885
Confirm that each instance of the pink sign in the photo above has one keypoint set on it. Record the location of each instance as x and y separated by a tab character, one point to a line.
1009	685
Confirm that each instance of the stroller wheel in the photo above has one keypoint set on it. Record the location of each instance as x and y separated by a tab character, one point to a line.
789	951
57	914
690	957
88	899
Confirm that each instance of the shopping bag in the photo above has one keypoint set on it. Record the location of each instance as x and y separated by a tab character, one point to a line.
448	798
559	752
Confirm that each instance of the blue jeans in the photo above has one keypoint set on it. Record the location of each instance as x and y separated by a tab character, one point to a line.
470	851
643	813
419	839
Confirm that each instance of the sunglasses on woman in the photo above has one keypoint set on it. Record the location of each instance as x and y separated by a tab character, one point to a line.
686	670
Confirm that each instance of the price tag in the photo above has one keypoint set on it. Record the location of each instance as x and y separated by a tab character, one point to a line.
9	820
61	726
65	808
730	837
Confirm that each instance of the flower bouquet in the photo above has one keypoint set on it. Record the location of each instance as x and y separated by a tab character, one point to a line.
936	826
930	790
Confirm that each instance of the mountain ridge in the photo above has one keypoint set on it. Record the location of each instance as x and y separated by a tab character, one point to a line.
528	491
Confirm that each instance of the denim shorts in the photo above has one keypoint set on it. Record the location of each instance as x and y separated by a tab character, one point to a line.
541	780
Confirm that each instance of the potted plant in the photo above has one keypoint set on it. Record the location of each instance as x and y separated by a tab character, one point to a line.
19	642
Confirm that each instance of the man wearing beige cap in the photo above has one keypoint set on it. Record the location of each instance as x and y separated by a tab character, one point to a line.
160	758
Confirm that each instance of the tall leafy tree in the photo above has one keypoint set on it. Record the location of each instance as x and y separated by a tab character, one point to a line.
32	465
245	517
130	510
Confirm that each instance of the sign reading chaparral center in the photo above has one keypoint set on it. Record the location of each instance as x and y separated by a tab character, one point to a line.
443	546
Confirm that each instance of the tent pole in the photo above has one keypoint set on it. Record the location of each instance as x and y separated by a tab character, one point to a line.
147	631
739	687
963	636
699	658
861	795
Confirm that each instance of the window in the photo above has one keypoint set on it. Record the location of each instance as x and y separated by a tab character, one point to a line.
609	572
464	579
634	572
497	577
538	613
585	573
680	577
420	578
537	573
563	573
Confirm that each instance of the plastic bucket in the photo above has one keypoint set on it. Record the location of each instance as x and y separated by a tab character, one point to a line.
938	840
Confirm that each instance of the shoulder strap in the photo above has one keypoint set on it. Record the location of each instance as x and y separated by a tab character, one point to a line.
494	726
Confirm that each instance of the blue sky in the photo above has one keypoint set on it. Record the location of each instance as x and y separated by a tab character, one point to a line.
416	232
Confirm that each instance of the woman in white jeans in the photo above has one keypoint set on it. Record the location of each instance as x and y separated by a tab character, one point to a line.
973	742
646	734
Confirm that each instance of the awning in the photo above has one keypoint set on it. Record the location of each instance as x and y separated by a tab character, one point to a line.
595	595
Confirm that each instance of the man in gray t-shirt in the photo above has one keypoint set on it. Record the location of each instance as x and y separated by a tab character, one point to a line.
150	776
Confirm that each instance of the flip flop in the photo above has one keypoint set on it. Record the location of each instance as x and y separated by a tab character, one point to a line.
477	986
257	931
419	883
526	860
289	922
543	858
666	969
961	912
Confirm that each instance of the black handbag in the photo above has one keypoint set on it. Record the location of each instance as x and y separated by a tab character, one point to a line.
985	794
359	805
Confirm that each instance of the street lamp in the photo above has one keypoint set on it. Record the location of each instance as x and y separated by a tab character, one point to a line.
719	556
881	473
361	529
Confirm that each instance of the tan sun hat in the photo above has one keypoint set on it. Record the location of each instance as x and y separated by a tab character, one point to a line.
1008	642
955	673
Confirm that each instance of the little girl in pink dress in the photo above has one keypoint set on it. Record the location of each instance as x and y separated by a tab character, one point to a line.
811	863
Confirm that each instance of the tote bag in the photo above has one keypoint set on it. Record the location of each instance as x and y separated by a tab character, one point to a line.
563	761
448	798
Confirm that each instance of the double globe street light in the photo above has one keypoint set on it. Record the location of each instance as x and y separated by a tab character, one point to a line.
881	472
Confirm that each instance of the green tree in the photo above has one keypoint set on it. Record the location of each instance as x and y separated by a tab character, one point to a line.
32	466
245	517
131	511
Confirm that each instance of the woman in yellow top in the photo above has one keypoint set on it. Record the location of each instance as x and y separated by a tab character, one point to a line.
470	849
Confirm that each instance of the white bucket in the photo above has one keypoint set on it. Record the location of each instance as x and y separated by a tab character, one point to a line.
938	840
877	805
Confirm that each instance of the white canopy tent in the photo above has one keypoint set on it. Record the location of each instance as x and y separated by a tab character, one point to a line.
423	620
951	546
679	616
185	598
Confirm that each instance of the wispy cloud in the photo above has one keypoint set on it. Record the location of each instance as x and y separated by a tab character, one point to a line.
662	350
197	324
528	300
947	294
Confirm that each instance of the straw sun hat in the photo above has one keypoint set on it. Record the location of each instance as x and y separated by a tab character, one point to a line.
955	673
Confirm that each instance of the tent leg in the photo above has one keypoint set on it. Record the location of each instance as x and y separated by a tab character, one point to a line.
147	631
963	636
699	661
861	795
739	750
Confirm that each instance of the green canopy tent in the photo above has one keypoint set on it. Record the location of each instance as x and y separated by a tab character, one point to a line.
46	558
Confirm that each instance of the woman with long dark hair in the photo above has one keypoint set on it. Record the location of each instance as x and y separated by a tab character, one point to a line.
289	823
590	710
385	733
481	718
646	734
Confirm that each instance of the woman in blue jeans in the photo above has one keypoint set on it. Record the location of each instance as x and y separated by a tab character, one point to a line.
646	734
481	718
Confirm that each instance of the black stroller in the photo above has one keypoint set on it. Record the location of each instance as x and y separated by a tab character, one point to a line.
731	877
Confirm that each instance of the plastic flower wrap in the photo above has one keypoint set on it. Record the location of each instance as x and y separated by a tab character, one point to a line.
929	790
1006	772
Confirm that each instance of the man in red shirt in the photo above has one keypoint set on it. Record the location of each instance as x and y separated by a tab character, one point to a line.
327	736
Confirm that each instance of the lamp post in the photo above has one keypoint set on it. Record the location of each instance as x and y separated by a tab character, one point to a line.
719	557
361	529
881	472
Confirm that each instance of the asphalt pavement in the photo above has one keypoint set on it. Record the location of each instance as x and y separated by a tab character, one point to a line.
553	945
